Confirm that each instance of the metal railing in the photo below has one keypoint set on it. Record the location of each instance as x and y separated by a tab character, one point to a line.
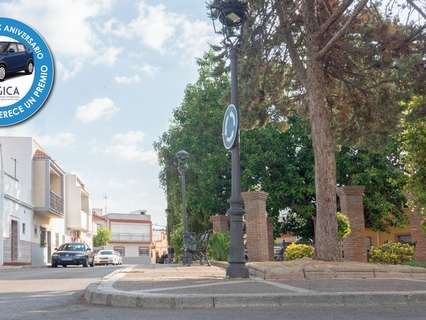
131	237
56	203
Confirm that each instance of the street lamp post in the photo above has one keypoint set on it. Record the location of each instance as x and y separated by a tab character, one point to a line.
182	156
232	14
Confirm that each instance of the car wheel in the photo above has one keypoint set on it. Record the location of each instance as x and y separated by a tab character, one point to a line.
2	73
30	68
86	263
64	265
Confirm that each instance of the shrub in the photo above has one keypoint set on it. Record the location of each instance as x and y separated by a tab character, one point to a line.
297	251
219	244
343	226
392	253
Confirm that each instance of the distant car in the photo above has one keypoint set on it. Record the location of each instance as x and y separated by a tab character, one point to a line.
73	254
15	57
108	257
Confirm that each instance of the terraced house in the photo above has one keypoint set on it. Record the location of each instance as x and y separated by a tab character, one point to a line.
35	216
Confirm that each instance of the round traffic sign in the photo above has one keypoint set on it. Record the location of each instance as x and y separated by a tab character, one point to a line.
231	124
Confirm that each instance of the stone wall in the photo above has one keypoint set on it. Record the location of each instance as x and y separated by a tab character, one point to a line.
258	227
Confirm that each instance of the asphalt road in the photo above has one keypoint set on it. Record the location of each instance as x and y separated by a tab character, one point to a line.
55	294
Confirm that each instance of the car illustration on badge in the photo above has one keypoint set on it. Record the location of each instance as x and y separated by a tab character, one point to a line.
15	57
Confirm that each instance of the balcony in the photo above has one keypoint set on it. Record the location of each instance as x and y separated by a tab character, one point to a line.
56	203
130	237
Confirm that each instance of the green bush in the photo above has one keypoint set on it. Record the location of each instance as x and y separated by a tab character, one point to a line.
392	253
343	226
219	244
176	239
297	251
423	225
102	237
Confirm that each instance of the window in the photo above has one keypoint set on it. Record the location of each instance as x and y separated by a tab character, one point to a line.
21	48
43	237
57	240
35	230
143	251
63	239
406	238
23	228
13	47
121	250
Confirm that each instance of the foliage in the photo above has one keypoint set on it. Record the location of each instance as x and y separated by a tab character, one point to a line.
219	244
196	127
298	251
413	149
343	226
392	253
420	264
423	226
383	177
102	237
176	239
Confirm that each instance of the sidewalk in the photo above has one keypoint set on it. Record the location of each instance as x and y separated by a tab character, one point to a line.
178	287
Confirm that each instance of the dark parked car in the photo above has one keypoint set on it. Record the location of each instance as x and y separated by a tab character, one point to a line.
15	57
73	254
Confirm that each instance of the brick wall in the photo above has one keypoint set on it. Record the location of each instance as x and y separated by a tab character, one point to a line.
258	227
351	205
220	223
417	235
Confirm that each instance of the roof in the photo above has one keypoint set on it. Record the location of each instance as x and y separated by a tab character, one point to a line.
38	155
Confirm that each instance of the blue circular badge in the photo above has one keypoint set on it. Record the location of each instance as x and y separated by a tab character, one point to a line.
231	125
26	72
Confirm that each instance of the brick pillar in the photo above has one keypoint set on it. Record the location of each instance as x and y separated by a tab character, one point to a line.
258	228
220	223
417	234
352	206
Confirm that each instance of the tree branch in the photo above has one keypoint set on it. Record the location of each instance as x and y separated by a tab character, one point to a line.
335	15
342	31
291	45
415	6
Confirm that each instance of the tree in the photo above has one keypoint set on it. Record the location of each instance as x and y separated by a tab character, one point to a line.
336	62
413	148
102	237
196	127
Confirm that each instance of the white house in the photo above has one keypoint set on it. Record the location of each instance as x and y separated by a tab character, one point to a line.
16	209
78	218
40	206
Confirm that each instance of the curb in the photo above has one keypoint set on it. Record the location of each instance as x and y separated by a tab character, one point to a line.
94	295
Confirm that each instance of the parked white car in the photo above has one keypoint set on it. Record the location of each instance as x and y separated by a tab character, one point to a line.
108	257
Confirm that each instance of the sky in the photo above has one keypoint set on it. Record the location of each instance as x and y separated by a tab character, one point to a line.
121	69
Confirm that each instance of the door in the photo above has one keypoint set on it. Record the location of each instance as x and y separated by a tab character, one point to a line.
13	58
49	246
14	240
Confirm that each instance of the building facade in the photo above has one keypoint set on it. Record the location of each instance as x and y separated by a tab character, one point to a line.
35	216
131	234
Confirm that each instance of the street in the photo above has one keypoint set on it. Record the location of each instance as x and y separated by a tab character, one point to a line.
45	293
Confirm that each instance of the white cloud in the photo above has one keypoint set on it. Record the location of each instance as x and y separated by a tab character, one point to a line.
127	79
57	139
100	108
67	25
129	146
160	29
61	139
149	69
109	56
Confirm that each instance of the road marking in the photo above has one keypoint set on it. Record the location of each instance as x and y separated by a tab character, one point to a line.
286	286
193	286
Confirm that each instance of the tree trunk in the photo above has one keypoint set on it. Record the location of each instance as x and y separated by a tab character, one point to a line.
326	244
